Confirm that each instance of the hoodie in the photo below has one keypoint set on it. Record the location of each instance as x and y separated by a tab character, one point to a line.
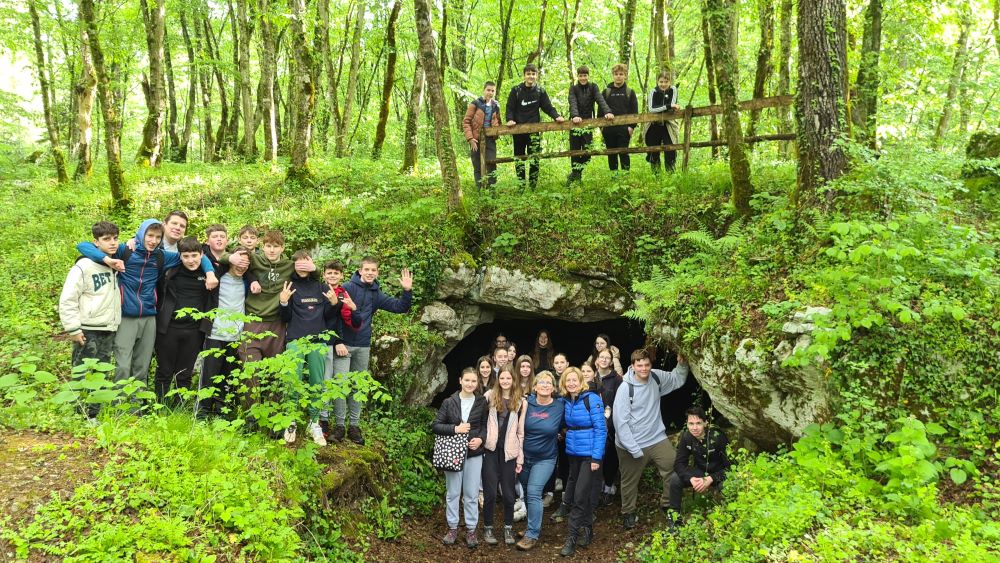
621	99
308	312
524	103
638	423
90	299
369	299
142	271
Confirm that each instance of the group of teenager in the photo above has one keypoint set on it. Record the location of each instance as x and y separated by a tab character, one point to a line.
534	421
121	303
528	100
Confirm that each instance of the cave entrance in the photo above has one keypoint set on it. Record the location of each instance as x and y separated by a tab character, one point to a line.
576	340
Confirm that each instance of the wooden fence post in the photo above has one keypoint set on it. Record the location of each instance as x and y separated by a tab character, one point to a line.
687	138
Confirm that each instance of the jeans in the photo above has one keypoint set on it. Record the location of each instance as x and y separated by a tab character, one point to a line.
527	143
356	360
534	475
677	487
491	169
463	485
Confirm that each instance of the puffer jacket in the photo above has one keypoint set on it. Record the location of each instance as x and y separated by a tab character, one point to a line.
475	117
586	431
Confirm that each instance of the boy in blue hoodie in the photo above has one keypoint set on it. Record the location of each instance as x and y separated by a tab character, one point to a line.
353	354
140	272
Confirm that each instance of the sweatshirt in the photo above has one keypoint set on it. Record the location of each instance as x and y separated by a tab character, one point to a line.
272	277
369	299
90	299
582	99
308	311
638	423
523	104
660	101
621	99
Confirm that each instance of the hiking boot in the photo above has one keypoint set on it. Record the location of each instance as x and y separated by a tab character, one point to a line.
290	434
325	425
568	548
317	434
488	537
354	434
338	433
560	514
451	537
585	536
547	500
508	535
471	540
674	523
526	543
629	521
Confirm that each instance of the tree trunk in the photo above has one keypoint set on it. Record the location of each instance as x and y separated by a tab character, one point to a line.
505	44
460	54
153	19
205	82
233	128
352	79
412	117
722	20
536	55
864	101
961	53
268	70
627	41
86	89
569	32
445	150
212	47
179	152
390	79
662	36
171	138
765	11
50	121
819	105
298	171
710	73
785	72
109	110
249	125
321	42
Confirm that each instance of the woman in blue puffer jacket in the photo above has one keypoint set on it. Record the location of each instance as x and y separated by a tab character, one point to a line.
586	434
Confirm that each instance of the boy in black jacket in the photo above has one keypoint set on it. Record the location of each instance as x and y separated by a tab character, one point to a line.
701	462
179	340
523	105
582	97
622	101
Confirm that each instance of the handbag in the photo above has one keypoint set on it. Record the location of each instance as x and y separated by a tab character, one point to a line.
450	452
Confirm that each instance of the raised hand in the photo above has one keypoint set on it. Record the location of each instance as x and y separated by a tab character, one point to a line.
406	279
349	303
331	296
286	293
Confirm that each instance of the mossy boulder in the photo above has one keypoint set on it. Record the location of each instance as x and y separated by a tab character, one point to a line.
351	471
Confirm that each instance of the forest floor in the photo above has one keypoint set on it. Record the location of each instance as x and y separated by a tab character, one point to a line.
421	538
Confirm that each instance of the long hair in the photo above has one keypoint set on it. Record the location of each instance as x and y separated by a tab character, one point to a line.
516	393
484	386
543	356
593	353
579	378
529	381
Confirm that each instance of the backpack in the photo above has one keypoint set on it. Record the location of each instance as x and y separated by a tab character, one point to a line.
631	387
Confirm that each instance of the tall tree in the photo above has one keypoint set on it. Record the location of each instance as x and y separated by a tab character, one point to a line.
663	35
205	86
706	35
171	139
352	79
305	92
43	79
439	107
86	89
722	18
249	125
819	106
460	54
412	117
626	43
864	99
954	82
569	33
154	21
266	88
785	70
390	79
179	151
505	43
109	109
765	12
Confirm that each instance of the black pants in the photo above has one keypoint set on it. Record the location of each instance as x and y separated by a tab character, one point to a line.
658	134
496	471
176	351
579	140
491	169
617	137
677	486
610	464
561	471
527	143
213	367
579	493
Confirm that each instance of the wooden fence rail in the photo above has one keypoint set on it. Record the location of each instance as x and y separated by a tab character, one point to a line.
685	114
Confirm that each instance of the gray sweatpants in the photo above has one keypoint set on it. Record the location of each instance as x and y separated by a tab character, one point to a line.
464	485
356	360
134	343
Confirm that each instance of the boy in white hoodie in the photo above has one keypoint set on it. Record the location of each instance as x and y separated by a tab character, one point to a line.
640	436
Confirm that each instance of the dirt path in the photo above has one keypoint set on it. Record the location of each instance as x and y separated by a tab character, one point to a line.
421	541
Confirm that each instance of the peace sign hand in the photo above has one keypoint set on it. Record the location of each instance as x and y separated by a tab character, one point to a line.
286	293
349	303
406	279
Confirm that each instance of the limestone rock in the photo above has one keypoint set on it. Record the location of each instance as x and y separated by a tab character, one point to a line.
456	282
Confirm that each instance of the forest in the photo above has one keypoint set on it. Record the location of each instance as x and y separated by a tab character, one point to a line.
824	255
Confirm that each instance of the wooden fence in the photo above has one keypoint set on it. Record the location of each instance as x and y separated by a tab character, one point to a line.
686	115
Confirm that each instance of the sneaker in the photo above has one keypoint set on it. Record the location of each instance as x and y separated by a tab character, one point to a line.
471	540
606	499
338	433
547	500
508	535
526	543
290	434
489	538
584	536
451	537
354	434
629	521
317	434
325	425
559	485
560	514
520	513
674	523
568	548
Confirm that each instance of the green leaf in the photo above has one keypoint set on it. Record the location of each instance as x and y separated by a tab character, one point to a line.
958	476
935	429
45	377
27	368
65	396
957	313
9	380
